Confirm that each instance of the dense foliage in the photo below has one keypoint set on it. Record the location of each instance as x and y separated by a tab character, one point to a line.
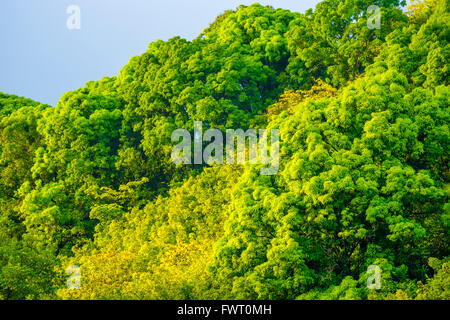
364	178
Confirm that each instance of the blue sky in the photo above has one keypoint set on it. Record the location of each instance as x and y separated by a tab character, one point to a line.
40	58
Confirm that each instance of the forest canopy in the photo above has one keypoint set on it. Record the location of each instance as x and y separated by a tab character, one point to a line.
363	115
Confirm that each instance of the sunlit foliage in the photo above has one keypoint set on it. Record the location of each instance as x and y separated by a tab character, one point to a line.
363	116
